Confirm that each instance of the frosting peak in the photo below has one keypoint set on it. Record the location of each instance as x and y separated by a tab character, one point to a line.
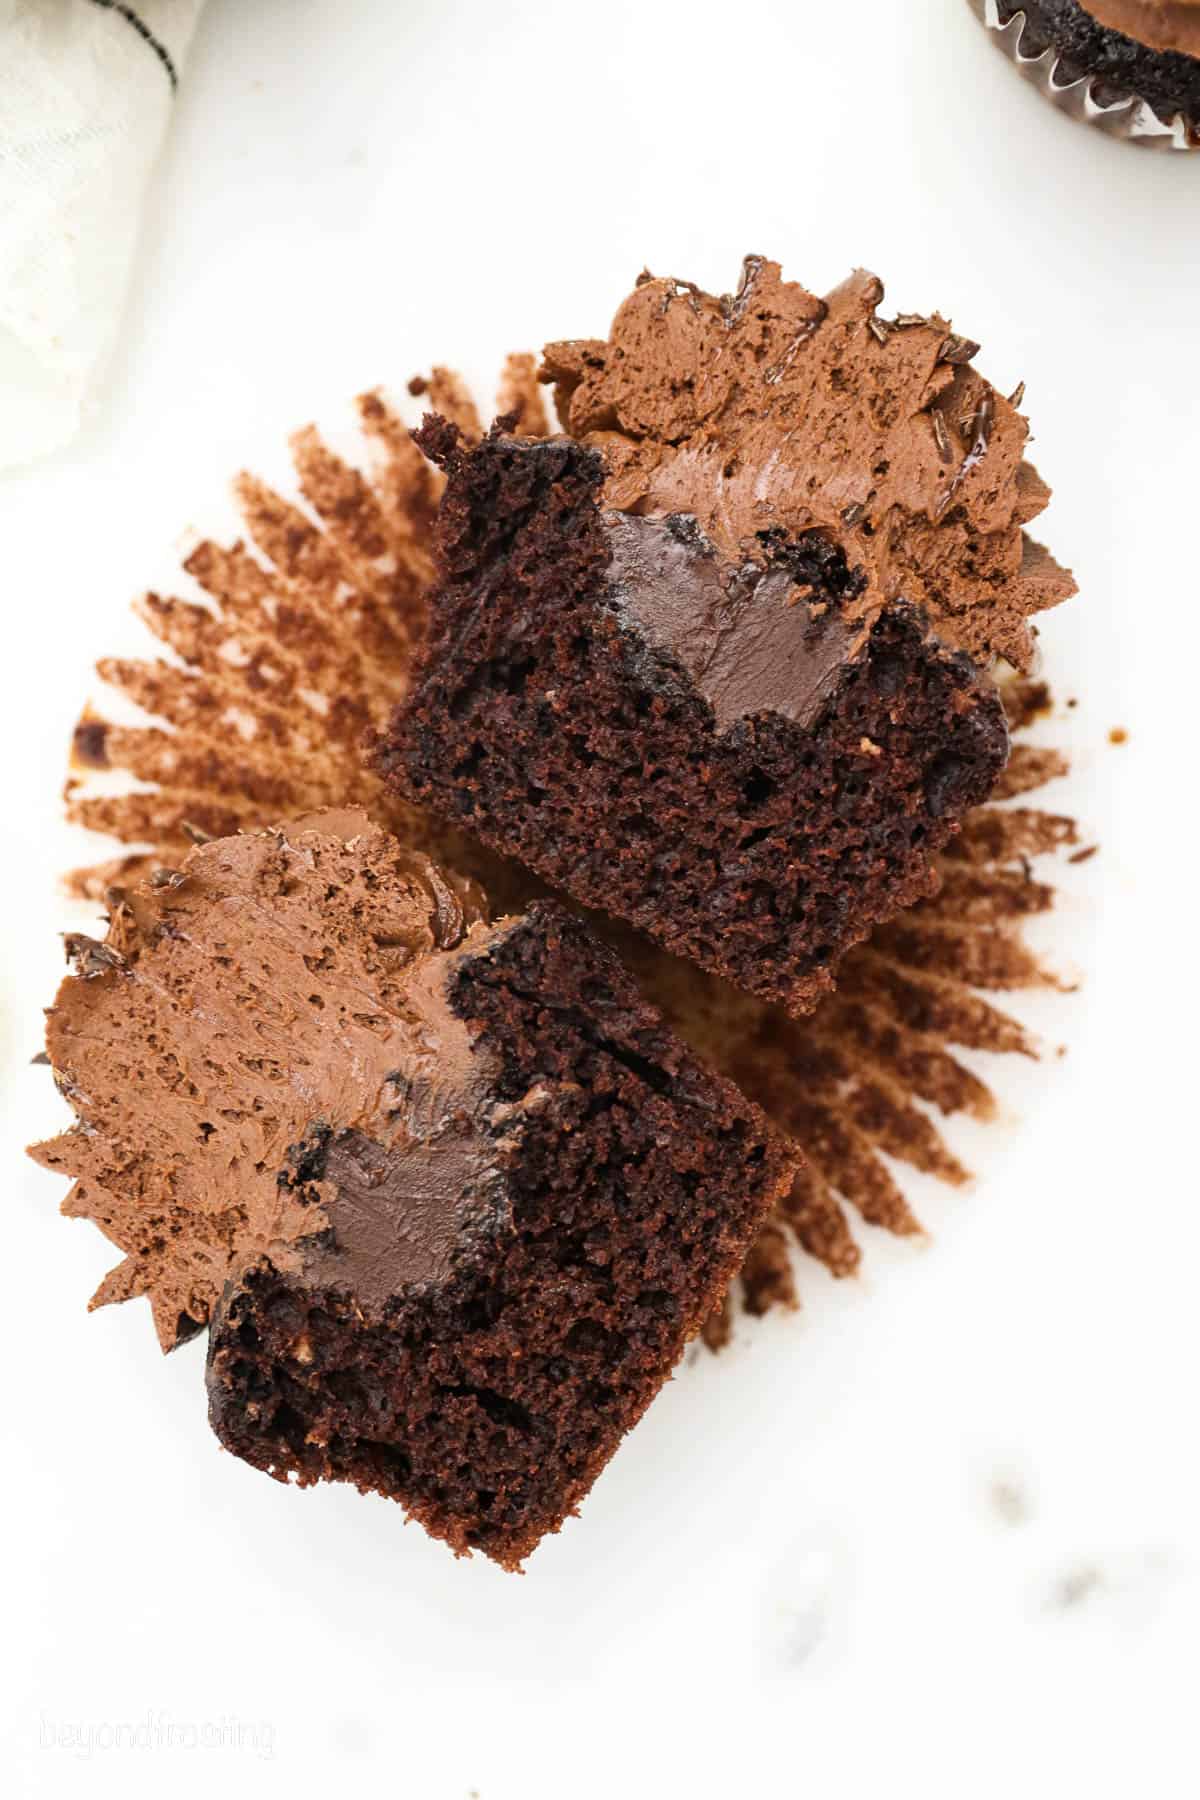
772	408
263	1062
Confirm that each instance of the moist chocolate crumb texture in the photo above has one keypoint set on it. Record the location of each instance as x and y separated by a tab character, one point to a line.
1130	66
718	660
448	1194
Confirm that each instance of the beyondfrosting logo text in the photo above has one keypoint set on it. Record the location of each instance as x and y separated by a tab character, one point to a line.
157	1731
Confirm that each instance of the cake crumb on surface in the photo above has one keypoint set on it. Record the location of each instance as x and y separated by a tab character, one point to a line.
1010	1500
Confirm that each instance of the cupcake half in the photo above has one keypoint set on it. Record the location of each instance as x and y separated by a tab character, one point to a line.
1132	67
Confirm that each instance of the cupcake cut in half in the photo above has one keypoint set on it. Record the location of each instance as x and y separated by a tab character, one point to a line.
862	1084
718	660
448	1194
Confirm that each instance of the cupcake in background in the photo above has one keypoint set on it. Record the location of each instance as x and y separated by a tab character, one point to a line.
1132	67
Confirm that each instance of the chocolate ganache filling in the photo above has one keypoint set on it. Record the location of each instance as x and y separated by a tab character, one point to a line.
750	638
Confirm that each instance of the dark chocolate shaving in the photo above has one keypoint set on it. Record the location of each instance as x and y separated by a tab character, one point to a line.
958	350
980	429
778	370
734	305
90	957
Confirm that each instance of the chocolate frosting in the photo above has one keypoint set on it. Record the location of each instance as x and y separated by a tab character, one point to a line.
1161	24
773	410
264	1064
746	635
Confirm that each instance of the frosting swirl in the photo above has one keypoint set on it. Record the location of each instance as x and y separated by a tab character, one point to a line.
772	409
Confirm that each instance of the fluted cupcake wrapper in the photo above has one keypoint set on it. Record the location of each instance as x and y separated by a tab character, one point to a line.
1126	116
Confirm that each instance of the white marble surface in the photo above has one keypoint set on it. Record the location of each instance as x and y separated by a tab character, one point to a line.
938	1533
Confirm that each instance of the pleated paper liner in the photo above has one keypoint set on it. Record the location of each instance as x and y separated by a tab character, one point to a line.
1088	98
302	642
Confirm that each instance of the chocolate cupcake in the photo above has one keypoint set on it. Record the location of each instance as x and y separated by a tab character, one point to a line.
1132	67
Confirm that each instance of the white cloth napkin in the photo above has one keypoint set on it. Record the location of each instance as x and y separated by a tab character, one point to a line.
86	89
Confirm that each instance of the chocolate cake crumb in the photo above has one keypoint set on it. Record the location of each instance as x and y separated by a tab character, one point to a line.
1010	1501
89	743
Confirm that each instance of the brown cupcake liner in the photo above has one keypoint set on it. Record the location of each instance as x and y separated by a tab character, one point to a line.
1127	116
304	638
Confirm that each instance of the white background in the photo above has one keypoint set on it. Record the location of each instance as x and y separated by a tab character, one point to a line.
795	1577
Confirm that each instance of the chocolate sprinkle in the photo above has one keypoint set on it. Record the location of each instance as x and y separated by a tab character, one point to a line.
980	429
958	350
90	957
677	289
734	305
778	370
